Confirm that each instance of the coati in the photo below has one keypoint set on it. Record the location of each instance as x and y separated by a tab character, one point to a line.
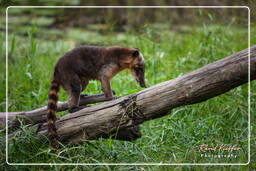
77	67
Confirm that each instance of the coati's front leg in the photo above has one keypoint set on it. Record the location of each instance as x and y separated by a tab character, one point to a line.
106	88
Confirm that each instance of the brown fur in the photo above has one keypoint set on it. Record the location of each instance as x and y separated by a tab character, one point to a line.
76	68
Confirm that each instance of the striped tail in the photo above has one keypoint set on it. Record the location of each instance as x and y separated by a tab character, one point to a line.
51	113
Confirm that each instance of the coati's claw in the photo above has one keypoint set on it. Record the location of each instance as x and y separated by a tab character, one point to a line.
111	98
83	95
114	98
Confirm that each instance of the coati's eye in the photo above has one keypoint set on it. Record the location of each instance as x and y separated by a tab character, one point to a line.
136	53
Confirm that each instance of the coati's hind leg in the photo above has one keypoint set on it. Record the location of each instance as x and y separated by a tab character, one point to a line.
73	88
84	83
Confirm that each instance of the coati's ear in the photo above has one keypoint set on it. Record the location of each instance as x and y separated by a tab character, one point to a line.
130	56
136	52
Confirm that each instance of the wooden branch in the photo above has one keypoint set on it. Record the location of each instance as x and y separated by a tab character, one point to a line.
39	115
197	86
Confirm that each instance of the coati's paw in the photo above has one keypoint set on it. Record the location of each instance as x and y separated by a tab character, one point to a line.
114	98
75	109
83	95
111	98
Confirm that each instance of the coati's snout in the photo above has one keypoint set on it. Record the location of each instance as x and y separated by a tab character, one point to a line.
134	60
141	81
138	69
139	74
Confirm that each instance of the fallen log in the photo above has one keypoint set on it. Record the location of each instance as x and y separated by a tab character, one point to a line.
197	86
39	115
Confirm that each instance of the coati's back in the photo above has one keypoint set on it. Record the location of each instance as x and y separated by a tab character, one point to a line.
84	61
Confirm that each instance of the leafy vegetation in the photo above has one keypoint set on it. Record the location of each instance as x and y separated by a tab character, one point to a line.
34	50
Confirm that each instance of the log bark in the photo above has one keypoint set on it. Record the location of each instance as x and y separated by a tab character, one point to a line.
157	101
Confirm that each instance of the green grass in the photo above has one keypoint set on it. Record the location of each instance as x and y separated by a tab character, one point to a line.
171	139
